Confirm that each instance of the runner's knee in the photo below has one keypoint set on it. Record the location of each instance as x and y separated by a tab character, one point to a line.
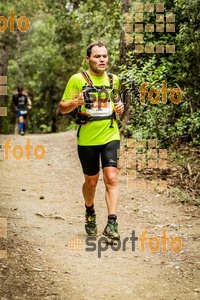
91	182
110	178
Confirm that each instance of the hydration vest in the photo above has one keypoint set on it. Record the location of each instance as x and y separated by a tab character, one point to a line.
84	118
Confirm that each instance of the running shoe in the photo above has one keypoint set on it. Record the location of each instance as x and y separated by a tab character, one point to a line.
90	224
111	231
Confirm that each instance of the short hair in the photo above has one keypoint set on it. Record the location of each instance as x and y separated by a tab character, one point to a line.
97	43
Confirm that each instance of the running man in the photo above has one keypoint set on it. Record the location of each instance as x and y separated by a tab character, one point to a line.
91	94
22	103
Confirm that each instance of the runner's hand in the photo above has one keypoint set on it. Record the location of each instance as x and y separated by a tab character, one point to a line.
79	100
119	108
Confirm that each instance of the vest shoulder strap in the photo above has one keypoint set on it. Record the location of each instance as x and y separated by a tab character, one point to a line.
87	77
89	81
110	76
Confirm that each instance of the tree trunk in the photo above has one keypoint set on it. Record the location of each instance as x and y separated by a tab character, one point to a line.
3	72
124	48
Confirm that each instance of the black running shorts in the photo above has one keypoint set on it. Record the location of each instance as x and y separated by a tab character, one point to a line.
90	156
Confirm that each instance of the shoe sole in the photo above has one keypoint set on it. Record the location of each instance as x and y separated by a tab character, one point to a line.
90	233
111	240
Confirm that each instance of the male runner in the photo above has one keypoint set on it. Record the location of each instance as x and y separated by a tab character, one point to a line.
98	134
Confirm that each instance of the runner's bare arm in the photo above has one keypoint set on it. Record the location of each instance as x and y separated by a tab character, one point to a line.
68	106
29	103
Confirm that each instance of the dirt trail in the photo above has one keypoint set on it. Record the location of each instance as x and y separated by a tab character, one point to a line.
47	257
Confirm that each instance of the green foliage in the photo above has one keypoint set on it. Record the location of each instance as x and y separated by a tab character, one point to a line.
99	20
53	49
168	122
41	72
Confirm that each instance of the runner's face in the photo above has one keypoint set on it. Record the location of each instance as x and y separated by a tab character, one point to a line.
98	59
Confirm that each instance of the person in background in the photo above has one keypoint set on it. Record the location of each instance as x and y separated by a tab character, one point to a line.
22	104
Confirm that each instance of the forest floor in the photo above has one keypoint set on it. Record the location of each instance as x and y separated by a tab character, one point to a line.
43	246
